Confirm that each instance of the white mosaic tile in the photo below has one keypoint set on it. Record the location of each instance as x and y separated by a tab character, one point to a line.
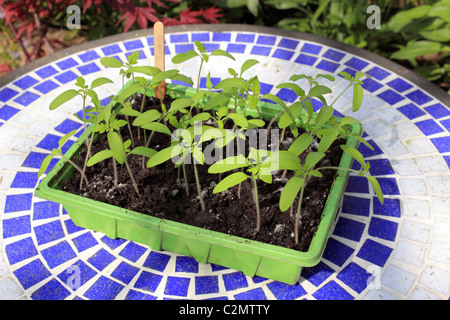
419	293
409	252
440	252
432	164
398	279
436	279
405	167
441	204
439	184
441	227
415	231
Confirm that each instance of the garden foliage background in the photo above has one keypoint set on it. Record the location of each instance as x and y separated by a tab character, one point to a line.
413	33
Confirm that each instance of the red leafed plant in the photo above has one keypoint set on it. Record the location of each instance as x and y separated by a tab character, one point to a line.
30	20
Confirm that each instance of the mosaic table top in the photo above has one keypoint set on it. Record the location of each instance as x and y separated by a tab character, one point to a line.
400	250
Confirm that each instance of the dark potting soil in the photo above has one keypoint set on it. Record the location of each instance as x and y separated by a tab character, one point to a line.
163	194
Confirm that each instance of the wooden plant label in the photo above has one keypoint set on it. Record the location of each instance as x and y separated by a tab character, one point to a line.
158	32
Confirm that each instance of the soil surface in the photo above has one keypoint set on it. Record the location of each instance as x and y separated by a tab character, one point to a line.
163	194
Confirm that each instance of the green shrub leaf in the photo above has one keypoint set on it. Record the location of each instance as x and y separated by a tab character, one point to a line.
230	181
290	192
99	156
63	98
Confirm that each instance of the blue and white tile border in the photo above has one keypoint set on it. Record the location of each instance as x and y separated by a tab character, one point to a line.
397	251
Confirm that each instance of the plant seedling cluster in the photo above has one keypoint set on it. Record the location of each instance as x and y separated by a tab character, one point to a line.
221	114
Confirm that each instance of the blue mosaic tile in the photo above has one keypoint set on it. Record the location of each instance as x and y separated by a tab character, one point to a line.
20	250
283	291
311	48
287	95
236	48
46	72
52	290
77	272
104	289
442	144
67	63
306	59
266	40
88	68
253	294
334	55
378	73
283	54
26	98
67	126
356	63
355	277
327	65
133	44
234	280
447	160
332	291
202	37
174	38
357	184
151	41
186	264
390	207
258	279
210	47
374	252
157	261
371	85
111	49
7	112
49	232
429	127
25	82
25	180
51	142
18	202
389	186
66	77
261	50
7	94
216	267
245	37
419	97
446	124
32	273
166	50
72	227
411	111
390	96
367	152
350	71
125	272
137	295
88	56
16	226
34	160
379	167
179	48
112	243
177	286
221	36
383	229
148	281
206	284
84	241
101	259
317	274
288	43
58	254
399	84
349	229
437	110
132	251
356	205
337	252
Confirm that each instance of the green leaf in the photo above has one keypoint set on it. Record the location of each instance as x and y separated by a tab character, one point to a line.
228	164
348	120
362	140
184	56
357	97
99	156
146	117
200	117
286	160
318	90
294	87
418	48
280	102
182	78
239	120
65	138
198	155
223	53
111	62
143	151
248	64
129	91
285	119
45	164
116	146
158	78
301	144
181	103
441	10
230	181
164	155
290	192
404	17
354	153
158	127
376	187
147	70
327	139
132	58
220	99
312	158
231	83
325	114
63	98
99	82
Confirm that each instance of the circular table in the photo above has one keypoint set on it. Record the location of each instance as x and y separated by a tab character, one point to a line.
400	250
